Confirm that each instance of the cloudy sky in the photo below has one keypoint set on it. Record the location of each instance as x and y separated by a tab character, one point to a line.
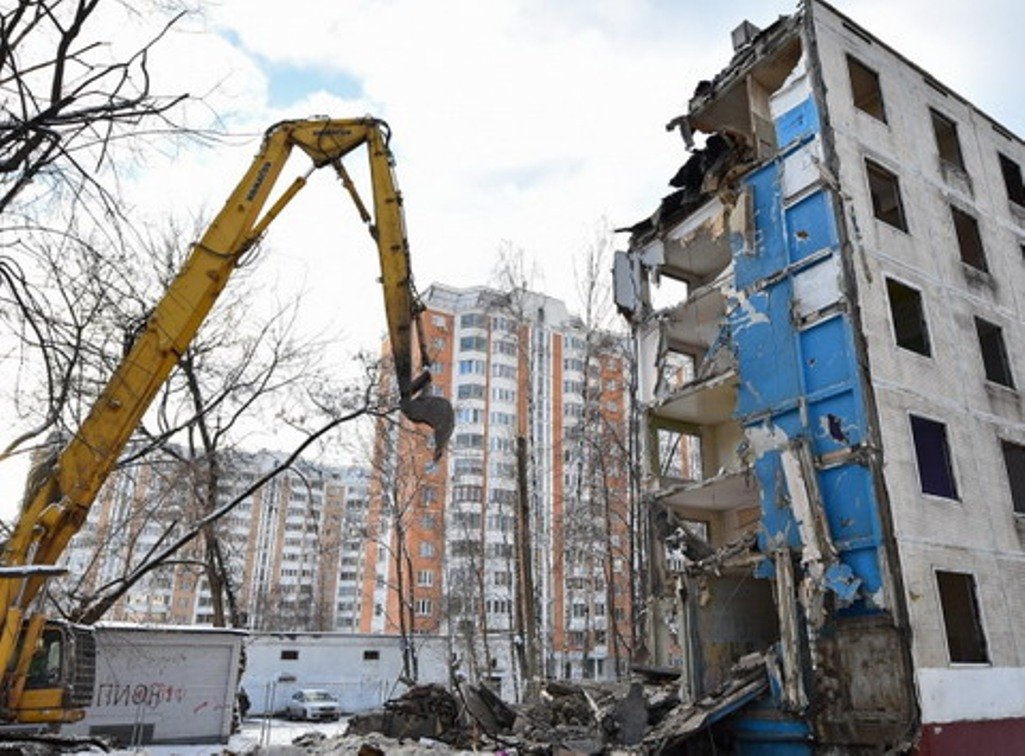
520	122
529	123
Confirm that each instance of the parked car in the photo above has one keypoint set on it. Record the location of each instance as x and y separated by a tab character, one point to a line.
313	704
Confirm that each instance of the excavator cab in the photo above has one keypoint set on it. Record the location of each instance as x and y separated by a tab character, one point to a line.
59	675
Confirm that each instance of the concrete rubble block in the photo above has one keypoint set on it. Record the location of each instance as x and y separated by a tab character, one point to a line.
631	716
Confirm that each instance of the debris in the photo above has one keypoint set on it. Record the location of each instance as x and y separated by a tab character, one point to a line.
308	739
489	711
747	680
656	675
568	718
631	716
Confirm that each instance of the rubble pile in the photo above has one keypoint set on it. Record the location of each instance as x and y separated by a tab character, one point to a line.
642	715
424	711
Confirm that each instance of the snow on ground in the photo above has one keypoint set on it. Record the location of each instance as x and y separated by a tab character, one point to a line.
257	733
265	732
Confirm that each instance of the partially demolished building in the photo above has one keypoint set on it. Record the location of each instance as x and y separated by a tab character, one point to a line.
851	236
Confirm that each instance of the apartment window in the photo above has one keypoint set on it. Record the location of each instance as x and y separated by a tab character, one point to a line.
503	394
969	241
865	89
473	344
508	348
438	321
966	641
467	493
371	655
885	190
289	655
932	452
423	607
471	367
469	415
1014	461
425	578
471	391
426	549
947	143
994	353
1012	180
467	520
469	441
473	320
469	466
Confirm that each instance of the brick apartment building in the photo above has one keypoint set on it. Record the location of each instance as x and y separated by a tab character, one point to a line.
294	548
513	367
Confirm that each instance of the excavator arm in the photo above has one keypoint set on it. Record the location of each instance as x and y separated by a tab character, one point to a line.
62	499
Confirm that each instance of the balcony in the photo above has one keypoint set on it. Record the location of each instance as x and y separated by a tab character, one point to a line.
731	489
698	248
693	326
709	401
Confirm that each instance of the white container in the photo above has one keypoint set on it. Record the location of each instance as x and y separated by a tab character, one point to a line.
162	684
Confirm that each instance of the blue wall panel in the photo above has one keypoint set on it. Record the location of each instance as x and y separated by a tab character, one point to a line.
810	226
826	359
766	350
770	252
802	382
797	123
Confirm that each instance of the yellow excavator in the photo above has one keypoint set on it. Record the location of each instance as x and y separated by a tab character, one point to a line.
48	666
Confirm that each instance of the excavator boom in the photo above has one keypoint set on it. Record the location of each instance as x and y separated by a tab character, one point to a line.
58	507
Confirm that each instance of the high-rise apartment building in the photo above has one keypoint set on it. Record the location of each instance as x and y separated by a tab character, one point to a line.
541	426
293	549
849	236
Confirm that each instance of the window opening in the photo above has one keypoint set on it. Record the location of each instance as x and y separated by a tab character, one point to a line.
885	190
947	143
966	641
865	89
909	325
969	241
1014	461
994	353
935	471
1012	180
289	655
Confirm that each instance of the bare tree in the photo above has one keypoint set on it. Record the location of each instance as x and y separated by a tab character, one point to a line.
76	97
92	607
66	98
516	277
596	520
402	492
243	365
